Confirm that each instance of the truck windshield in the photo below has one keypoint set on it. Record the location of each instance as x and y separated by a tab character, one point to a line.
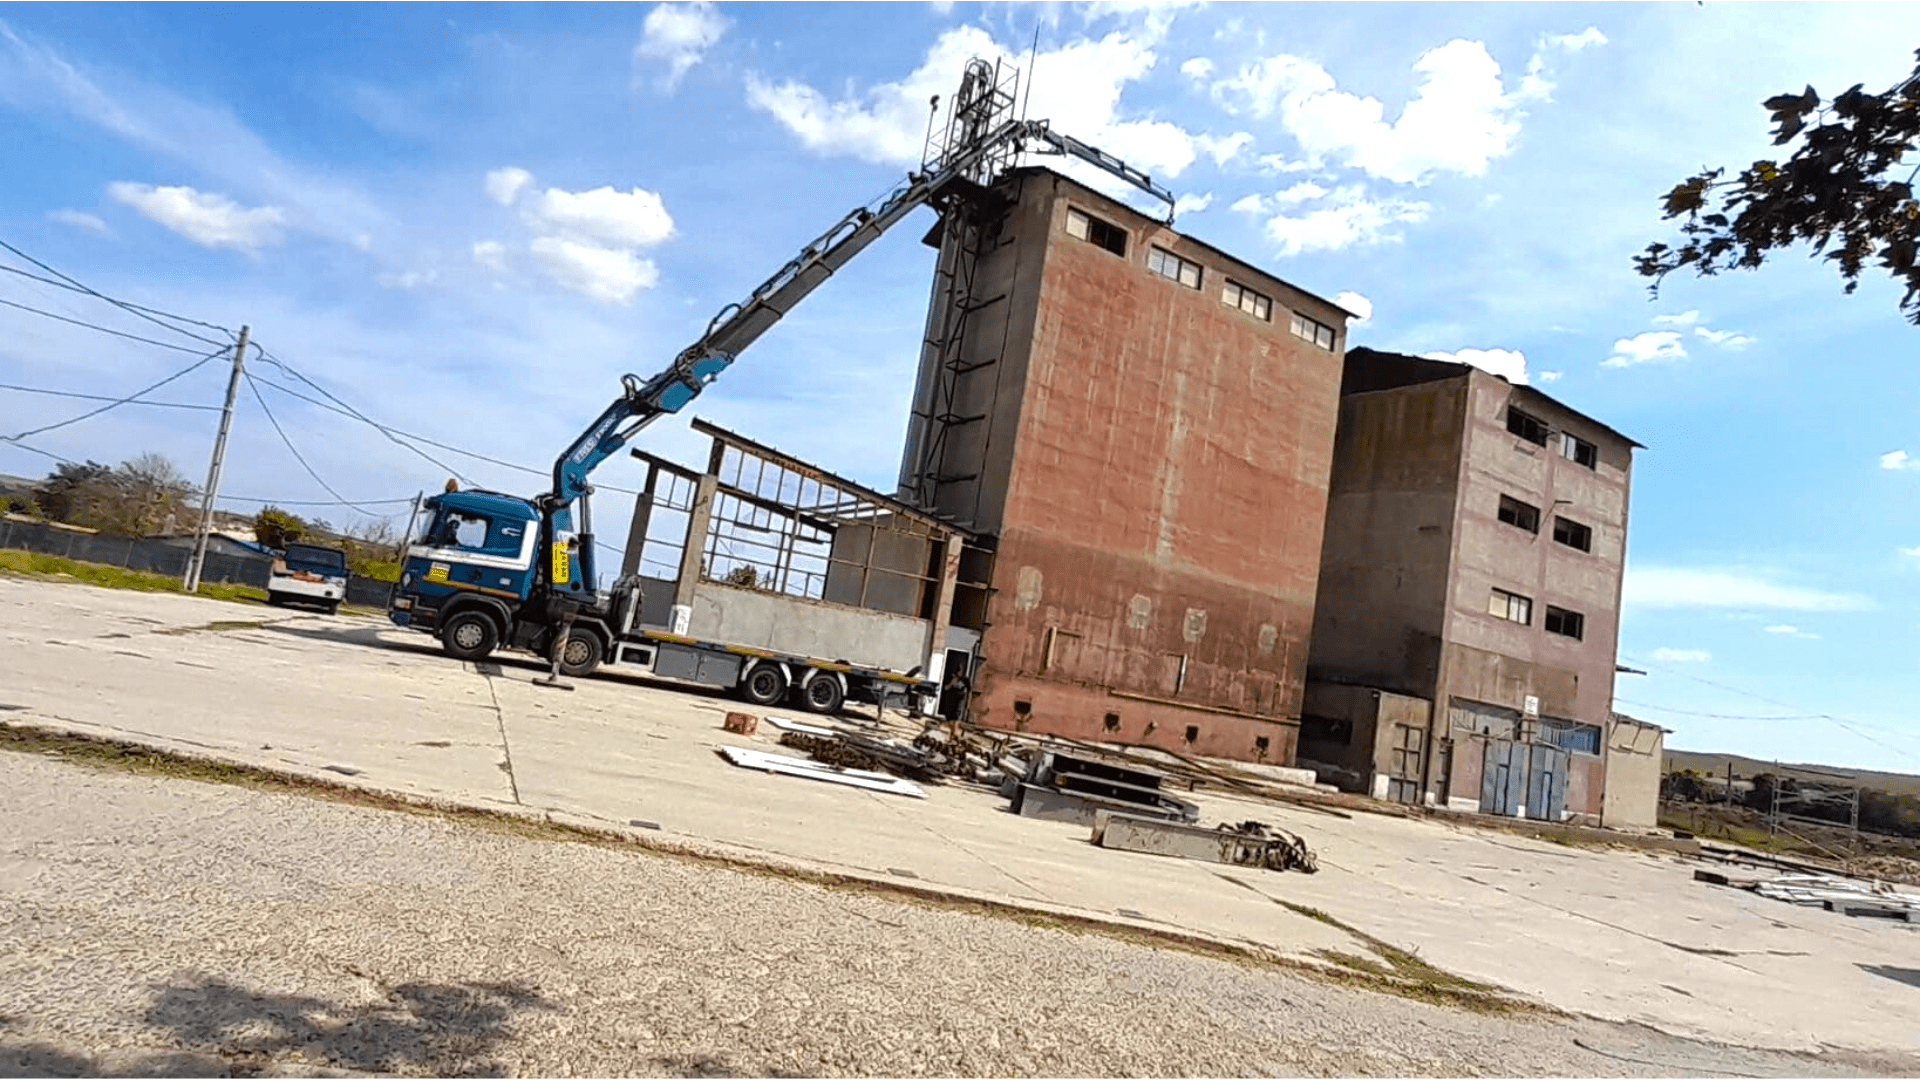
315	559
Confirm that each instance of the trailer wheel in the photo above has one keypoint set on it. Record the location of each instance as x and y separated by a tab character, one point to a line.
822	694
765	685
469	635
581	654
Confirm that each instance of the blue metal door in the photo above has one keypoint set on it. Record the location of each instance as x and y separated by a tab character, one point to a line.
1503	778
1547	782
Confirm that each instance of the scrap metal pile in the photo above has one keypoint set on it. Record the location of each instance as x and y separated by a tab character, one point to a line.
1809	885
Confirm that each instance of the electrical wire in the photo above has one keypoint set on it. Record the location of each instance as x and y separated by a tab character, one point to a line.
344	501
103	397
312	502
1710	715
133	309
43	453
357	414
104	329
1847	724
115	403
126	304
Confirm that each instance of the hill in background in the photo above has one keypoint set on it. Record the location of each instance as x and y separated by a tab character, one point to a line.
1745	767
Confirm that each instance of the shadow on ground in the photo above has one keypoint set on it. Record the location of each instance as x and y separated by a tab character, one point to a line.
209	1027
1910	976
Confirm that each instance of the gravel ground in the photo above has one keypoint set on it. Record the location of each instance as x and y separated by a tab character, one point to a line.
152	925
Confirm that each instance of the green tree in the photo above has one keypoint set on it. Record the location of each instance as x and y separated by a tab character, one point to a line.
1846	189
275	528
72	491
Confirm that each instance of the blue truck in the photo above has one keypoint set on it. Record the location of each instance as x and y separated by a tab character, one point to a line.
494	571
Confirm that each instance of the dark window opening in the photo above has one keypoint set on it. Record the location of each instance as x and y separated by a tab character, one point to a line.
1325	730
1519	514
1573	534
1023	708
1193	732
1083	226
1261	744
1527	426
1566	623
1113	721
1579	451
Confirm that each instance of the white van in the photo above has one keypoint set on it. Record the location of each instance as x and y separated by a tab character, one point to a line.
309	574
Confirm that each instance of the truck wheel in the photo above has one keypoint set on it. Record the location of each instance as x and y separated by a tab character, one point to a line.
765	685
333	608
581	654
822	694
469	635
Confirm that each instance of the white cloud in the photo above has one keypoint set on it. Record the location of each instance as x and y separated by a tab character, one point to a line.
491	254
1460	118
1792	631
1360	307
1199	69
1682	656
1678	588
1547	377
1899	460
205	218
1301	192
80	220
941	7
1192	204
1347	219
1726	339
612	275
1535	85
636	218
680	35
1249	204
1685	318
1222	148
1509	364
1278	164
1654	346
411	279
1077	86
505	185
1911	552
1575	42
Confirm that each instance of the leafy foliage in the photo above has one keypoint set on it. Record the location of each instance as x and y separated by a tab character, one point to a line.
275	528
1841	191
140	497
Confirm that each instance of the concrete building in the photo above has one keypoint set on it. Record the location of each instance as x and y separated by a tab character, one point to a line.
1143	426
1636	753
1475	538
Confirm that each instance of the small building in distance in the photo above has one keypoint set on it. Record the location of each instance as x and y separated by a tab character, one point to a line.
1142	426
1636	756
1467	615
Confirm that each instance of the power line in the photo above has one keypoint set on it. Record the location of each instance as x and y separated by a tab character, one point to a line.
117	401
391	432
103	329
103	397
355	413
126	304
1710	715
344	501
1846	724
133	309
314	502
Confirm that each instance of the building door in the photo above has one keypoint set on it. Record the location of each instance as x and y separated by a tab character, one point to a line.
1503	779
1546	782
1408	758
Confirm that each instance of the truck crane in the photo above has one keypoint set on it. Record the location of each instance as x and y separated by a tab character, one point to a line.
492	570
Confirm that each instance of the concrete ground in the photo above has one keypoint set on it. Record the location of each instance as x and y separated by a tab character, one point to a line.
1623	937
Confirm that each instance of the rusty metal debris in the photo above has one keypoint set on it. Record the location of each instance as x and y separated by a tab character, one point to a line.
1249	843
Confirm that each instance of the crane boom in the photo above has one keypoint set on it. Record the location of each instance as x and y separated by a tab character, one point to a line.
739	325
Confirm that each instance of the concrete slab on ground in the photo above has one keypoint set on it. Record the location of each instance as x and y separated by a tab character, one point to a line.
1618	935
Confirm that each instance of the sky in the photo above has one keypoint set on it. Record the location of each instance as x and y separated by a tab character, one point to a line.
467	222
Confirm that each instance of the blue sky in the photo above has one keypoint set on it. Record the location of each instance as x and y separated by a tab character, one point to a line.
467	222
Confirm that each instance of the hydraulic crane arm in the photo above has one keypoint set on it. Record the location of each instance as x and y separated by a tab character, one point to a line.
740	325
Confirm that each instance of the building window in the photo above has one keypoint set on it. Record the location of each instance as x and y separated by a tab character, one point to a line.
1173	267
1235	295
1519	514
1579	450
1086	227
1566	623
1527	426
1510	606
1570	735
1573	534
1308	330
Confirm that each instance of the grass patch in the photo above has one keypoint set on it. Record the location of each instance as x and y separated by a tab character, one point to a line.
57	567
1398	972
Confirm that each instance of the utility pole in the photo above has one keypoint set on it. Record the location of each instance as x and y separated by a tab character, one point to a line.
406	538
199	557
